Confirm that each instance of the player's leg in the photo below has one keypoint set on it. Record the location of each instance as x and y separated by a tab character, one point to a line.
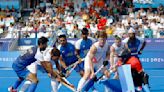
145	80
54	85
33	69
25	86
14	87
21	73
116	73
33	78
87	72
83	80
81	68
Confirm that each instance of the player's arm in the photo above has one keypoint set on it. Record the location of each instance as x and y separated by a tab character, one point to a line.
92	53
58	66
126	47
47	57
108	54
62	62
55	54
125	42
47	66
143	46
77	51
112	52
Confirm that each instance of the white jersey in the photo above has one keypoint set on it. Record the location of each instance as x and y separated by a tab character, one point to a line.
117	49
101	51
40	56
100	56
43	55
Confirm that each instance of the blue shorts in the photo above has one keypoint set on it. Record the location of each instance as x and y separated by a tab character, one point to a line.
80	67
22	72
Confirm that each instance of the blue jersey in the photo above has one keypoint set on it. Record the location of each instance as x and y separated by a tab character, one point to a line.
68	53
134	46
83	46
27	58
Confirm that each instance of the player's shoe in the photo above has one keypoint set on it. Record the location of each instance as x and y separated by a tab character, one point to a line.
139	88
11	89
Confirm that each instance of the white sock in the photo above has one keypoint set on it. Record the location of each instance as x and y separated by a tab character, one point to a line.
80	84
25	86
54	85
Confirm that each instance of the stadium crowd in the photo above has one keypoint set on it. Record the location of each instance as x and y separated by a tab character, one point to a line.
113	16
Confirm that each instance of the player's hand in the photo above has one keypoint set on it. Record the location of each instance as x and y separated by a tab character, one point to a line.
80	59
61	74
92	75
140	52
49	74
107	73
112	67
67	73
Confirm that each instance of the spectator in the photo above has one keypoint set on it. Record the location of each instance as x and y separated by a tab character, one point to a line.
109	31
104	12
1	30
160	9
93	28
142	12
84	4
148	33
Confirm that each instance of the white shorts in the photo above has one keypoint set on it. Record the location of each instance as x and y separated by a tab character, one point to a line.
35	66
32	67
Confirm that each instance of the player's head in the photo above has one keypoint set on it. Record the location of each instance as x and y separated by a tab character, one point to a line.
42	43
55	54
84	32
62	39
102	37
117	40
131	33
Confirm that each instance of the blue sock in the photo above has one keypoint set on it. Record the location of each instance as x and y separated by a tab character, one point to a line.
17	83
146	88
93	88
32	87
